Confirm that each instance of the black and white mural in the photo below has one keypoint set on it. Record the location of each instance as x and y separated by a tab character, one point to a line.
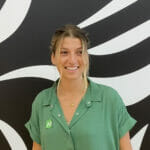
119	57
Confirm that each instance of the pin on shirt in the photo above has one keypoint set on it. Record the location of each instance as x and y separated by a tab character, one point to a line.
48	124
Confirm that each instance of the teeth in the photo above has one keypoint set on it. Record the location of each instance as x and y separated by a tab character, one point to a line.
71	68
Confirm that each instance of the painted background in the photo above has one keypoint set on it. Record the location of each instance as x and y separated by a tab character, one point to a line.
119	55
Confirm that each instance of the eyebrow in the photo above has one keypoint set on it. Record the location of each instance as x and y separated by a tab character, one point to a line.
68	49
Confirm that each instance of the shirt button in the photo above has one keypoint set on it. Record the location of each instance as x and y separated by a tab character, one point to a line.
88	102
59	115
77	113
51	106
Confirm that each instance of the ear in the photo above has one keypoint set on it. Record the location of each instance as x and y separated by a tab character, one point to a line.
53	59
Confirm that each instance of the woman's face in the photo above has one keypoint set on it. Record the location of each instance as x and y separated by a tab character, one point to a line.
70	61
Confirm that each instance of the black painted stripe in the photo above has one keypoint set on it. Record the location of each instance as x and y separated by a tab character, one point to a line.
121	63
119	23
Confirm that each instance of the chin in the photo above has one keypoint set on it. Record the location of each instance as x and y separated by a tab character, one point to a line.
72	77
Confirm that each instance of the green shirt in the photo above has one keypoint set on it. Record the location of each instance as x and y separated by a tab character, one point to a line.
100	120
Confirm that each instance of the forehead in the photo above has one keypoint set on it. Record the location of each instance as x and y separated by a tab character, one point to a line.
71	42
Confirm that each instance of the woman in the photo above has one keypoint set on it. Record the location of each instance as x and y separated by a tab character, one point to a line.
76	113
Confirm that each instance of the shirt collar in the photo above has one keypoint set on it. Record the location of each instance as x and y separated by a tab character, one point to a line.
51	99
93	93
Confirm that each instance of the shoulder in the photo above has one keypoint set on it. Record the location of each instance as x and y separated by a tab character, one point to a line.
106	93
42	97
103	89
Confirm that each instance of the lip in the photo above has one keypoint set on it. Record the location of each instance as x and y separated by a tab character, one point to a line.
72	68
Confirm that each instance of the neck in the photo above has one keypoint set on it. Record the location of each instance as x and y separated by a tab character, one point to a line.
71	87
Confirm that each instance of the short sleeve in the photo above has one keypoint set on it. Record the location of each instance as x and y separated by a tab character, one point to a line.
125	121
33	124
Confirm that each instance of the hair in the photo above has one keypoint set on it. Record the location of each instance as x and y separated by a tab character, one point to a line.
73	31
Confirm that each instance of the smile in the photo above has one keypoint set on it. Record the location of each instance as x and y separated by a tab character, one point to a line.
72	68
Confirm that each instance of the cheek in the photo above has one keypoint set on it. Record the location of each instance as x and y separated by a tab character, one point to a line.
62	61
60	64
84	61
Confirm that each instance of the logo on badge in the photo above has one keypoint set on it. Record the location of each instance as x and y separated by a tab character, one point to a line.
48	124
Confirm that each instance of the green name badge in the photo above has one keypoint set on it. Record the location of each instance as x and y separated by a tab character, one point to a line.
48	124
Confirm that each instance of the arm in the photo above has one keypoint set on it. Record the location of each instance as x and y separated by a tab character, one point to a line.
36	146
125	142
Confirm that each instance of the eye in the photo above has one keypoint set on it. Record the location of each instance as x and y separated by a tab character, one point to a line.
79	52
64	52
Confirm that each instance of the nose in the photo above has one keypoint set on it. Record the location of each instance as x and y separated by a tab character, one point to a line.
72	59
